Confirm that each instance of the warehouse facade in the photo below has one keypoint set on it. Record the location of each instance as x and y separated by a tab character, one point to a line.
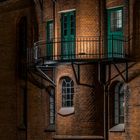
79	78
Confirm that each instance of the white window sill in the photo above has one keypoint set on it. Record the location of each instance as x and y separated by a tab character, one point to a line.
64	111
117	128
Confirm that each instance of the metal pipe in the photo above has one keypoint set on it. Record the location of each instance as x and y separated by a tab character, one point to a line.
104	113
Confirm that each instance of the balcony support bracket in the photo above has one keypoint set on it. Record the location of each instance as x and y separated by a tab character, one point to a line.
125	78
76	71
45	75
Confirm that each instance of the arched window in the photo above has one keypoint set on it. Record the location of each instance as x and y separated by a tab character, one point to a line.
119	104
67	92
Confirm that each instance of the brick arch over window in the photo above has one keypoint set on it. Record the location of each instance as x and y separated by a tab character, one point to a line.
67	91
116	103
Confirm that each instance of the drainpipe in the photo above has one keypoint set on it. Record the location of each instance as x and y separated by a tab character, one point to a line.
104	113
104	46
106	118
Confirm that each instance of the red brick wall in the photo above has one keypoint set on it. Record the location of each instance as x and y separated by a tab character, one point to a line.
86	120
11	12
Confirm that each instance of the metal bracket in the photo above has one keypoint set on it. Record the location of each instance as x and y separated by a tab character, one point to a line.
125	78
45	75
77	75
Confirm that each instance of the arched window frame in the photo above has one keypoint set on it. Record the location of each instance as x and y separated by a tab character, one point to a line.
67	92
119	104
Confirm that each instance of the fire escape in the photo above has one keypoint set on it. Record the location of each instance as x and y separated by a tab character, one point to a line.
88	50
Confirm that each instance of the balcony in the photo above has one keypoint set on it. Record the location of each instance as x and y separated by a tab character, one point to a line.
80	49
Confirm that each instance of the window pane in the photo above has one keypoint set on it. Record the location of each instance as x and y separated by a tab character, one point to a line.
116	20
65	25
119	19
64	90
65	32
69	90
72	31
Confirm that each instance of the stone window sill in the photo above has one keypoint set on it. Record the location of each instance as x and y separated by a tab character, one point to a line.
117	128
64	111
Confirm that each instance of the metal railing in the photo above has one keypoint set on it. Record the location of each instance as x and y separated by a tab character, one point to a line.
80	48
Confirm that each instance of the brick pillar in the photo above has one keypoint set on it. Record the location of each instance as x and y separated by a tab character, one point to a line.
88	18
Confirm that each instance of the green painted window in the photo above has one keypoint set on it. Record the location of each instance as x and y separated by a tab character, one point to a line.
68	31
115	33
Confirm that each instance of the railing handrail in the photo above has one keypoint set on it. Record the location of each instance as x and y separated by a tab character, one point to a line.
77	38
86	47
55	40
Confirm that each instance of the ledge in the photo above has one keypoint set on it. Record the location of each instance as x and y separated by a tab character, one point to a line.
70	137
64	111
117	128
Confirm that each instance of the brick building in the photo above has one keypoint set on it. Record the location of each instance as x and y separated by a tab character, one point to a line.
71	69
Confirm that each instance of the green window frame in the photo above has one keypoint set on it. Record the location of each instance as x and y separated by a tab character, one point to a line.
68	34
49	39
115	48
